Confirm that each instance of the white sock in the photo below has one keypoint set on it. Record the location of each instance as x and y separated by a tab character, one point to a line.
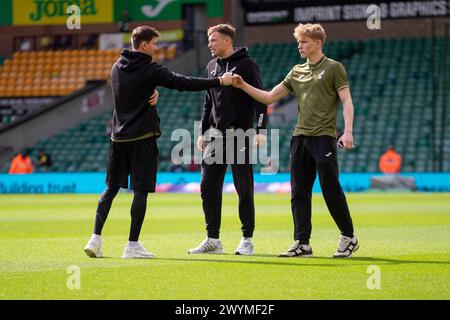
213	240
96	237
247	239
133	244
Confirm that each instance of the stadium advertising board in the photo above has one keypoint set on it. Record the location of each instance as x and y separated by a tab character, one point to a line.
123	39
296	11
142	10
5	13
93	182
54	12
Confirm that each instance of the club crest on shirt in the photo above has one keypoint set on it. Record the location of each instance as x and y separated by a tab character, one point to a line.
304	77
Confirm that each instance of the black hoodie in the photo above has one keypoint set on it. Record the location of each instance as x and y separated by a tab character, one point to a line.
227	107
134	78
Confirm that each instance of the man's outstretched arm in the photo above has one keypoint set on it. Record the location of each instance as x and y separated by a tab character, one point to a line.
166	78
265	97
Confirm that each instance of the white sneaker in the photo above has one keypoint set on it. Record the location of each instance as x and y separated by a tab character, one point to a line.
245	247
93	248
137	252
208	246
298	250
346	247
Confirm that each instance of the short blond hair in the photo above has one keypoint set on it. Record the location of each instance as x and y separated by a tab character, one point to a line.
314	31
224	28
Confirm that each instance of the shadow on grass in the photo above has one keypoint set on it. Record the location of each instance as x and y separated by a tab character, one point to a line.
308	262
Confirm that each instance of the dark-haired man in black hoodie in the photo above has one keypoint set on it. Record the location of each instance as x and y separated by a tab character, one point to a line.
230	114
133	151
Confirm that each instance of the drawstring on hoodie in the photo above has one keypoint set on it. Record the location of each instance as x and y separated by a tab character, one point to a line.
215	68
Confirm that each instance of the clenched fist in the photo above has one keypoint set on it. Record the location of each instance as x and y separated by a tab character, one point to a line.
238	82
226	79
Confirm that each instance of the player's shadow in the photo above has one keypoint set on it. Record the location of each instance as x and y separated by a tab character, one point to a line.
308	262
394	261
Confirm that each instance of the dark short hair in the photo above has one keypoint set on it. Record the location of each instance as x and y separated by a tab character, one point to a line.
224	28
143	33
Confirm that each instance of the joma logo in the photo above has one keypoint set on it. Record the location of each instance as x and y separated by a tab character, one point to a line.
58	8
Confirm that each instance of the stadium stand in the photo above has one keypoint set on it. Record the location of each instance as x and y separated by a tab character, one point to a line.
39	74
51	73
392	107
33	79
12	109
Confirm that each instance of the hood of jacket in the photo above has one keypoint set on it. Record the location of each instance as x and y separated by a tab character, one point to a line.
239	53
132	60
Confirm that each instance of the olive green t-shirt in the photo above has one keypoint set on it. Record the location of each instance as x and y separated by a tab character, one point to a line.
316	87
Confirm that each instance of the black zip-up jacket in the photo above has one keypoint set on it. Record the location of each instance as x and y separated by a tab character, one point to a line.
134	78
228	107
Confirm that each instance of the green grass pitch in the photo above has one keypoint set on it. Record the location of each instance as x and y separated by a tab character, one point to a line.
406	236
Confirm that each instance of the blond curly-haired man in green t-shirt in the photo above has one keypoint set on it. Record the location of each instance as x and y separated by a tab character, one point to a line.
318	85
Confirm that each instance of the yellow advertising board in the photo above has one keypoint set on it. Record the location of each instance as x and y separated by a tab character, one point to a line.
51	12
